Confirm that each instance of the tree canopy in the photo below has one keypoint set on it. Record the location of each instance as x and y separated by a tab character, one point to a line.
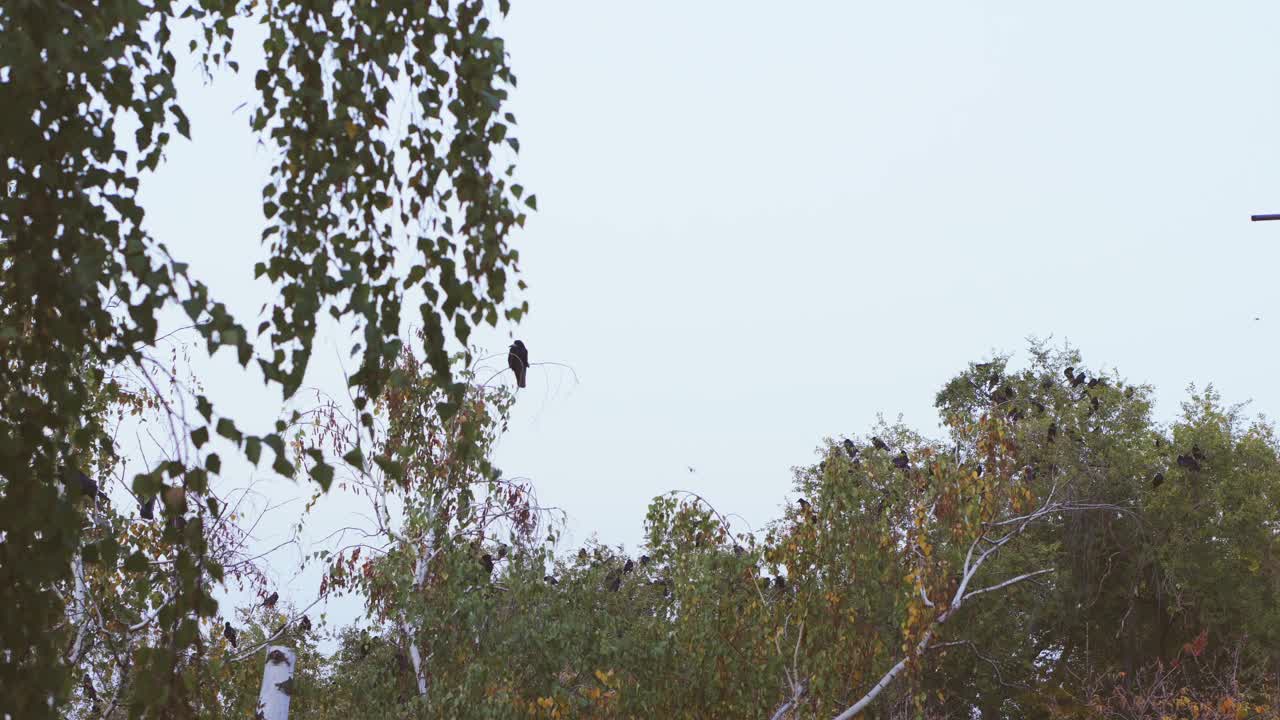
363	214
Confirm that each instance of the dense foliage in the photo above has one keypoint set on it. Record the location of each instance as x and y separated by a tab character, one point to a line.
1127	598
363	214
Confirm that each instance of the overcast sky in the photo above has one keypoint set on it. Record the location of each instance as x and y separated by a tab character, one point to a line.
762	224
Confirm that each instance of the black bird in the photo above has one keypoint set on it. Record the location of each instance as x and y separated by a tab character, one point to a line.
644	560
229	633
1157	480
486	560
879	444
901	462
850	448
1070	372
780	582
737	549
1094	383
88	487
87	684
582	555
1188	462
270	602
629	566
551	580
1078	381
1053	431
148	509
305	624
804	505
518	361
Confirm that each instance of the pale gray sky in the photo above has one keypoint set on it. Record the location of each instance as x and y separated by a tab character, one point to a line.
763	224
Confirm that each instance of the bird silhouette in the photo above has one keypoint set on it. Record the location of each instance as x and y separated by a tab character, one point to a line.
901	461
628	566
879	444
1053	431
147	511
850	448
518	361
270	602
551	580
88	488
229	633
644	560
1188	462
305	624
1070	372
1157	480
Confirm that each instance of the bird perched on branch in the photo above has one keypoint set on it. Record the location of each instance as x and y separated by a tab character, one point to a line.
270	602
518	361
902	461
229	633
850	448
879	444
88	488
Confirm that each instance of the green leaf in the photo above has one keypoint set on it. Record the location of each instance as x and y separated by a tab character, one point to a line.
200	436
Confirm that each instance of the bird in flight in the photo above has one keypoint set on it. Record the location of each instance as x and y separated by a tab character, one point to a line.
518	361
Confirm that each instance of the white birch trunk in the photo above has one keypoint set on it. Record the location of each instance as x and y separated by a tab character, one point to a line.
411	634
277	683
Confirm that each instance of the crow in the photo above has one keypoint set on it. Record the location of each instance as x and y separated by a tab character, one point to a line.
850	448
1188	462
804	505
901	461
88	488
229	633
148	509
551	580
1157	480
486	560
1070	372
518	361
582	555
270	602
629	566
879	444
305	624
644	560
1078	381
1053	431
780	582
87	684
